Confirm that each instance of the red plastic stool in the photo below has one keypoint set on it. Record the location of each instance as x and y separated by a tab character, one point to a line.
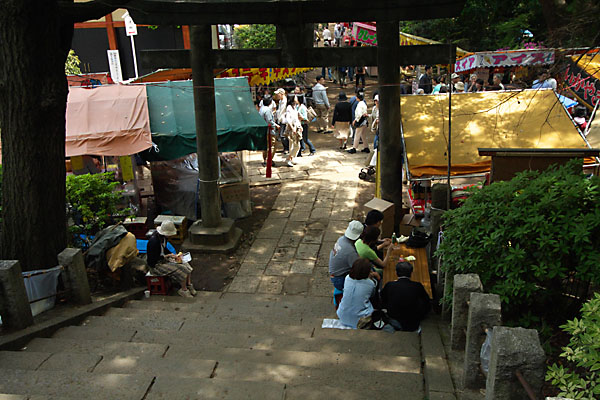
158	284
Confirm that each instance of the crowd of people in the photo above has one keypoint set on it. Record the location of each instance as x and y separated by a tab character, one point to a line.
356	265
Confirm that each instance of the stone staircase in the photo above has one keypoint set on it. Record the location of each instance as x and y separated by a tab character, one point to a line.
216	346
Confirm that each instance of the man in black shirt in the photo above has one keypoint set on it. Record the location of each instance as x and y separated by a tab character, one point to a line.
406	301
425	80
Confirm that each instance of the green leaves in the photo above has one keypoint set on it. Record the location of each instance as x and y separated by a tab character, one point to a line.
72	64
257	36
578	379
93	201
526	238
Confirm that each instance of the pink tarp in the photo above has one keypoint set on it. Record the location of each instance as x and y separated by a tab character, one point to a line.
109	120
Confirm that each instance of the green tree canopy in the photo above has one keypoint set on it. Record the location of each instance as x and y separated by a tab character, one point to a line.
258	36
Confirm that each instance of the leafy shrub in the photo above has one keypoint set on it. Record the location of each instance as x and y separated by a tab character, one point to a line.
257	36
527	238
577	376
93	202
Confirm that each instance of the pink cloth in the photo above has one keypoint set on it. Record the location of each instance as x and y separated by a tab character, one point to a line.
109	120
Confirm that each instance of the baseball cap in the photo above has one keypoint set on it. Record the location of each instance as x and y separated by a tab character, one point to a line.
354	230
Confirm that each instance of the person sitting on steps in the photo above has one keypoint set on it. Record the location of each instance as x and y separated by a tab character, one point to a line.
164	263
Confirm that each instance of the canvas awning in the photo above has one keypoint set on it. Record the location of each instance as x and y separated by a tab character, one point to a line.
172	118
109	120
582	77
511	119
504	58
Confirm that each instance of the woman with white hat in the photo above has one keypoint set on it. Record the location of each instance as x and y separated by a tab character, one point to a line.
164	263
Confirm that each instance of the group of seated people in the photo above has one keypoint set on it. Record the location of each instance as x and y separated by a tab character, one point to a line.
356	266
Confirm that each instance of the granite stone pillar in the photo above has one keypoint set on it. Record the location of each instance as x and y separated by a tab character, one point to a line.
14	303
484	312
75	275
515	349
464	285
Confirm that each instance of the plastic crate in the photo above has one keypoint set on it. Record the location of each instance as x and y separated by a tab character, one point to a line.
158	284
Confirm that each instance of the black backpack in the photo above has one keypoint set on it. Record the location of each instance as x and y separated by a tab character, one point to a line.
418	238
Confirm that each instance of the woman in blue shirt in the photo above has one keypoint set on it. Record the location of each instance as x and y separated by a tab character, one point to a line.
359	286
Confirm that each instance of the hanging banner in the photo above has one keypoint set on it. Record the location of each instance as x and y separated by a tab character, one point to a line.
126	168
504	59
367	34
582	78
262	76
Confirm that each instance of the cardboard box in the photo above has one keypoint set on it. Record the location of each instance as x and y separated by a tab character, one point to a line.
388	210
409	221
235	192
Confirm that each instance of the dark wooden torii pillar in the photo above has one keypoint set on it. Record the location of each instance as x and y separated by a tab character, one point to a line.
295	49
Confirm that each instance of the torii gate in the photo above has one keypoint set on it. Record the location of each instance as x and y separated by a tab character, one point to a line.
293	20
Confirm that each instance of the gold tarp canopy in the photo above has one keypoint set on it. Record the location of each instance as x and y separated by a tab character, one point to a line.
514	119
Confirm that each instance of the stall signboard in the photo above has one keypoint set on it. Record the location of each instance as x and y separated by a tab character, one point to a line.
262	76
582	78
497	59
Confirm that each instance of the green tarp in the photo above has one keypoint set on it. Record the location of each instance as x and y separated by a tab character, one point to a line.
173	127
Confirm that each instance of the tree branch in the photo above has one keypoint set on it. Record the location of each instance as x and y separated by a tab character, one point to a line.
81	12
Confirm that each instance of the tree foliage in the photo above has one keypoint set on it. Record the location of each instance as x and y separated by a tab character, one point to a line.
93	201
577	375
490	25
257	36
72	64
527	238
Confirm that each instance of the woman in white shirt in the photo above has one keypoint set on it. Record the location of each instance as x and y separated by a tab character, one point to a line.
293	128
360	123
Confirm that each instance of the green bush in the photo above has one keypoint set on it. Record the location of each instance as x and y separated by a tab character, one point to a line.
257	36
577	375
526	238
93	202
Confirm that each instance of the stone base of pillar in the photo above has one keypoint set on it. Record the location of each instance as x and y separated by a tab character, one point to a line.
224	238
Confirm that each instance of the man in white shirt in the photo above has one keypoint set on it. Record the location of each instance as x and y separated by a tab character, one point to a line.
545	81
326	36
321	104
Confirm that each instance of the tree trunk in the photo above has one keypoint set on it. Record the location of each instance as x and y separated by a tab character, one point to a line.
33	94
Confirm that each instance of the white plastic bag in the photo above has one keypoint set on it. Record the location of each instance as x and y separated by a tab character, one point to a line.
486	351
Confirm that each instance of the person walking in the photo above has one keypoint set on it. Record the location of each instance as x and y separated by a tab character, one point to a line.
266	112
360	123
293	128
360	74
281	98
342	116
303	117
321	104
326	37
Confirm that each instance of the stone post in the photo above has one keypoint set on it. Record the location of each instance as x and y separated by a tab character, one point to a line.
514	349
484	312
439	196
14	303
75	275
464	285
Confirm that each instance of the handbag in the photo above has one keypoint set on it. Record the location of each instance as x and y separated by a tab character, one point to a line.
312	114
418	238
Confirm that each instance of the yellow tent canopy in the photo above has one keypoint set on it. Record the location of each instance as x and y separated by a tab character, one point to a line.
511	119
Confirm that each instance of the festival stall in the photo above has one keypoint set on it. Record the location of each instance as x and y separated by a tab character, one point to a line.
504	59
532	119
174	163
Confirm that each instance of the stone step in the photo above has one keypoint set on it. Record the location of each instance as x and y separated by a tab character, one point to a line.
45	385
279	316
257	299
290	375
97	347
196	350
123	329
323	308
73	384
404	343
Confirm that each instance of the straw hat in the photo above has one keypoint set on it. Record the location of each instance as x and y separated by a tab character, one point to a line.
460	86
167	228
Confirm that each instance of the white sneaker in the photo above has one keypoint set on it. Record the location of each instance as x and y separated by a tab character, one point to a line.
289	164
185	293
191	289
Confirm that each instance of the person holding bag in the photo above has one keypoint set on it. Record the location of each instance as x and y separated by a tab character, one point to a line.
361	116
293	128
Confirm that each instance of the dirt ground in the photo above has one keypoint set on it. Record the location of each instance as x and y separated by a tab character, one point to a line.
213	271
